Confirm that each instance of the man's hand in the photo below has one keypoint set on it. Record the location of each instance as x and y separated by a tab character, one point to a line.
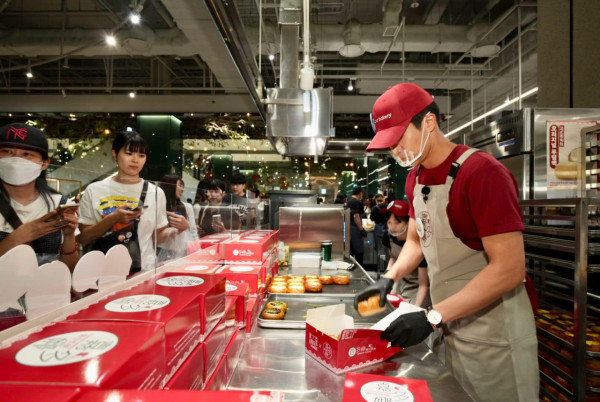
382	287
408	330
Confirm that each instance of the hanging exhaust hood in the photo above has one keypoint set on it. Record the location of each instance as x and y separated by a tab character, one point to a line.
299	121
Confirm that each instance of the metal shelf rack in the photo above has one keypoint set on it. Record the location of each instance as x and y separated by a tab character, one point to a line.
562	249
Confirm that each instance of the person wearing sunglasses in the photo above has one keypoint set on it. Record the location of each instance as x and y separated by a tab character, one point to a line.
466	221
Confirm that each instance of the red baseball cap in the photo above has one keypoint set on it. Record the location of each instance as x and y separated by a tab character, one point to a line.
393	112
397	207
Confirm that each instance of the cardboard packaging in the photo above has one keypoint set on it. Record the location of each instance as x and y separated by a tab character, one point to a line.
218	380
252	310
176	311
197	268
238	291
20	393
209	289
181	396
247	251
101	354
351	348
248	274
190	375
207	249
367	387
214	347
233	352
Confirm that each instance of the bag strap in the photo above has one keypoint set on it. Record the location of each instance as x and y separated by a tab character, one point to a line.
8	211
143	194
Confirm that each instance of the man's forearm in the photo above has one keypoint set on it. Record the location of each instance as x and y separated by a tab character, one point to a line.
358	221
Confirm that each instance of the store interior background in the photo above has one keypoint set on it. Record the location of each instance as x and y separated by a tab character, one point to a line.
191	86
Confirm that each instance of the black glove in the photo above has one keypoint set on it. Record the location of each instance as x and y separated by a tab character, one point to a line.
363	233
408	330
382	287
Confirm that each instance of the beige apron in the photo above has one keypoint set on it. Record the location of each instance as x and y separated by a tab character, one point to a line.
492	353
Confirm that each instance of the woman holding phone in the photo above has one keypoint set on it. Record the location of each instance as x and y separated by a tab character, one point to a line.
30	211
126	209
181	217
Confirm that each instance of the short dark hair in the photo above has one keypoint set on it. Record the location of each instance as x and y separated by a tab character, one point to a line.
357	190
216	184
131	140
389	214
238	178
433	109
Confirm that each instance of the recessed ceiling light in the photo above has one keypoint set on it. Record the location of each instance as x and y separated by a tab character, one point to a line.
132	94
135	18
111	40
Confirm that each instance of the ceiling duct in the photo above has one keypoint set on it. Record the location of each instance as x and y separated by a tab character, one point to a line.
391	17
299	122
352	36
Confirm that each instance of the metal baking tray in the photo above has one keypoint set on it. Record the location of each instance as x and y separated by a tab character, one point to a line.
298	304
357	283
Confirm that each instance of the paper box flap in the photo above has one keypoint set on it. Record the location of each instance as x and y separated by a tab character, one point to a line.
404	308
330	320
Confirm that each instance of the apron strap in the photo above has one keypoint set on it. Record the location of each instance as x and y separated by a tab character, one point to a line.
458	163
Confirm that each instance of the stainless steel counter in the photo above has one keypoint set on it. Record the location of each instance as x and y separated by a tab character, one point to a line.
274	359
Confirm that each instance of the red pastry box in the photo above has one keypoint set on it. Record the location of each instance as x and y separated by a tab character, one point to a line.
197	268
103	354
249	251
26	392
190	375
233	351
239	292
207	249
210	290
252	310
367	387
248	274
218	380
214	347
182	396
333	342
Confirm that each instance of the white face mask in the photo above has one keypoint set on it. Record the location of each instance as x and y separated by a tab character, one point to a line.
18	171
401	233
408	158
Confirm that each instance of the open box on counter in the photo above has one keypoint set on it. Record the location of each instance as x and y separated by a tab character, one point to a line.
333	341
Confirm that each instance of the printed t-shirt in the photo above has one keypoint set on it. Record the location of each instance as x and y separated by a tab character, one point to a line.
484	198
102	198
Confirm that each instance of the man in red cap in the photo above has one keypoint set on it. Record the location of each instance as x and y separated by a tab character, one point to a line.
466	221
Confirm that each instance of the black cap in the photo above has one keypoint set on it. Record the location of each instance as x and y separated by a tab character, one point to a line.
357	190
23	136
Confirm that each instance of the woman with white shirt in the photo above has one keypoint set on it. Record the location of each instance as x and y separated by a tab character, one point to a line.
126	209
28	213
180	215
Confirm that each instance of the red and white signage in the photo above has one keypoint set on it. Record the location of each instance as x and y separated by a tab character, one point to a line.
375	388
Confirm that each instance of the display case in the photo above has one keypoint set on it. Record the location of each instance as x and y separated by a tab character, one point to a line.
562	248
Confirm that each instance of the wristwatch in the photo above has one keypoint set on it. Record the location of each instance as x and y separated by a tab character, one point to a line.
434	317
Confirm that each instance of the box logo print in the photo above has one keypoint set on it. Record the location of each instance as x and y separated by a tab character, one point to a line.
137	303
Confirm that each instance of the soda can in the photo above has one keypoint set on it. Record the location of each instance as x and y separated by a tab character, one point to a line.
326	250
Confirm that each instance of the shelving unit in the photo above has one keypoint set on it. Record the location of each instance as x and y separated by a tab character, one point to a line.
562	246
590	138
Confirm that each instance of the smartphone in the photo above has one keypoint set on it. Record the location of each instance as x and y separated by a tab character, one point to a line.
216	218
61	209
139	208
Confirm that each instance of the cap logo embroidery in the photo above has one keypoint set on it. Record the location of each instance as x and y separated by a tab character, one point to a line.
387	116
20	133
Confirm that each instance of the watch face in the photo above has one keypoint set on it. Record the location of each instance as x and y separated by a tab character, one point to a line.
434	317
